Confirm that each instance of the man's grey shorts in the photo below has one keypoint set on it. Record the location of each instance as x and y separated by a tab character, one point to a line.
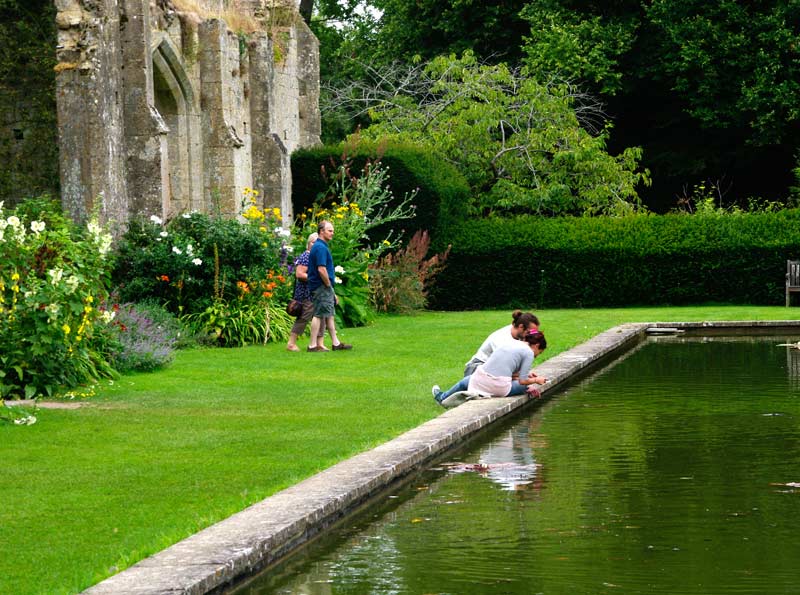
324	302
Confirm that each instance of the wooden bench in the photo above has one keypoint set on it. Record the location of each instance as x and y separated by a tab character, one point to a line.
792	279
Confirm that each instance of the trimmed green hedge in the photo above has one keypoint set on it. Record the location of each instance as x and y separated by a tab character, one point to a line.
604	262
443	193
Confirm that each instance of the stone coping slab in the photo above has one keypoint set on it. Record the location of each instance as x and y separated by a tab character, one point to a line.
217	557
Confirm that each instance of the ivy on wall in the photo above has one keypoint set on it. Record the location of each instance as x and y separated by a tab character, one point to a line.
28	130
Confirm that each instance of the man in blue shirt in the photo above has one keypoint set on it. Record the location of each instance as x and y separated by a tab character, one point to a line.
320	283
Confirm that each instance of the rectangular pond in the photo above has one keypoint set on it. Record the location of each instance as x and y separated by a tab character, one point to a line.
673	470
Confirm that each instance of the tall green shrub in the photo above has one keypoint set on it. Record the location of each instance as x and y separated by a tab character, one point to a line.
441	192
625	261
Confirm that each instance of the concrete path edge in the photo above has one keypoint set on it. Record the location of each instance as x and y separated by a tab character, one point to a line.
214	559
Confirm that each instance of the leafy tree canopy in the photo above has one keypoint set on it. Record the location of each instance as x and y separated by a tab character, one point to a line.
736	63
524	145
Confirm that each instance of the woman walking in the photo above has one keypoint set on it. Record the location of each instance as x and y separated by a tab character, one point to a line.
302	295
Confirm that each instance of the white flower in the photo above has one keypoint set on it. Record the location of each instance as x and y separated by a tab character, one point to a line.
189	250
93	228
55	275
2	233
37	227
176	250
156	219
197	261
284	233
72	283
186	216
13	221
107	316
337	280
289	249
104	243
163	234
28	420
339	269
53	311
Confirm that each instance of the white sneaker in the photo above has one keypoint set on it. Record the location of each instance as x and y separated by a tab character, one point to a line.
435	390
457	399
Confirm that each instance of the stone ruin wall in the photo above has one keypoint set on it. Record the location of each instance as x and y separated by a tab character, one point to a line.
163	111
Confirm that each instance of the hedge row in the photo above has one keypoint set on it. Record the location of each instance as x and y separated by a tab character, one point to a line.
637	260
442	192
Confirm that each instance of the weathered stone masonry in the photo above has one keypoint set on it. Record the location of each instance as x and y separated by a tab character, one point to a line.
162	111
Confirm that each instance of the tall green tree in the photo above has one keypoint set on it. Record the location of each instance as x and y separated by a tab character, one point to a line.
491	29
710	90
524	145
736	63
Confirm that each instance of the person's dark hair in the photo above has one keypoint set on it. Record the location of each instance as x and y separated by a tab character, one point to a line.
321	225
518	317
533	337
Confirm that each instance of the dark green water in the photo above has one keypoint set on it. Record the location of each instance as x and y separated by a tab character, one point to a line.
664	473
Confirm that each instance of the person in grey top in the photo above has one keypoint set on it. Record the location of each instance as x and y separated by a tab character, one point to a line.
520	323
496	377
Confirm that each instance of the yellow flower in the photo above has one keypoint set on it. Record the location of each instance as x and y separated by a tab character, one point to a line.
87	309
386	243
262	229
277	213
89	299
15	276
66	329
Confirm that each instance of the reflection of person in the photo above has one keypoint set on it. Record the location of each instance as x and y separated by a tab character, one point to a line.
302	295
509	462
320	284
520	322
495	378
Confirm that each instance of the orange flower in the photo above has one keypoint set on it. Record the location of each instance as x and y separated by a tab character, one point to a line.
281	278
267	294
163	278
243	286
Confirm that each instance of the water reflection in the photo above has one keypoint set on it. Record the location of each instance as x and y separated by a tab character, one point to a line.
674	471
508	461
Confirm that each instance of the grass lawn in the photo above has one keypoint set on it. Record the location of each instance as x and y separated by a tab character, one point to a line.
153	458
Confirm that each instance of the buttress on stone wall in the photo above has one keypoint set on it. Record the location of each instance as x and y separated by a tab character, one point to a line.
164	109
